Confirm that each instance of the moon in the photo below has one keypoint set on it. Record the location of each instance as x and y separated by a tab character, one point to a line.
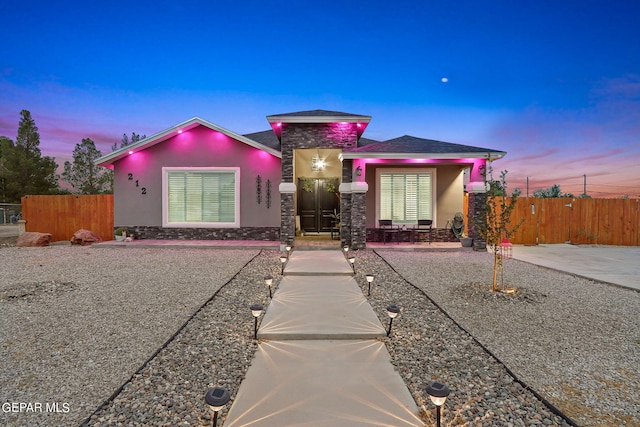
444	80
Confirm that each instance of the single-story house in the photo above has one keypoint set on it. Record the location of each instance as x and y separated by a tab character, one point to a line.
312	171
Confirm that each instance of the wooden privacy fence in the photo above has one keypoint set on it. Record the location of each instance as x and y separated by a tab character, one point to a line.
556	220
578	221
64	215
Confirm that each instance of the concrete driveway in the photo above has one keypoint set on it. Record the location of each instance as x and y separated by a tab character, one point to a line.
619	265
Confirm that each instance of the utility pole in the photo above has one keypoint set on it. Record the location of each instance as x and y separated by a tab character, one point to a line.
584	192
527	187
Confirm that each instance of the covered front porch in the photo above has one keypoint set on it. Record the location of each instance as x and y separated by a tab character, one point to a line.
401	185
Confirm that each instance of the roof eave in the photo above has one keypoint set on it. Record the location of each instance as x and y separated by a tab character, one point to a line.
318	119
175	130
489	155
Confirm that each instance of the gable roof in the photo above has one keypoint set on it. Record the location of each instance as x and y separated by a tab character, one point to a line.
152	140
316	117
414	147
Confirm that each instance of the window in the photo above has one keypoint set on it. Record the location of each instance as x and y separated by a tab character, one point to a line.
405	196
201	197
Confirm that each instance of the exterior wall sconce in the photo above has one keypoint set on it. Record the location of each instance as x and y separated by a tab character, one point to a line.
216	398
256	310
369	281
283	261
438	393
393	311
268	280
359	171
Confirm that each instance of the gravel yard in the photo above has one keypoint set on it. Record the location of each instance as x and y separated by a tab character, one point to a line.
575	341
78	322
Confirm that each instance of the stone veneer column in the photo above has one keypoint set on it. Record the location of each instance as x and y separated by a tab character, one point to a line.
358	216
345	203
287	214
477	213
345	214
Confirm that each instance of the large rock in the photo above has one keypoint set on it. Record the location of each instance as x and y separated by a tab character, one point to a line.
84	238
34	239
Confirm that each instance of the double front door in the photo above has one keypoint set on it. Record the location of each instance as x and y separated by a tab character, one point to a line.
316	204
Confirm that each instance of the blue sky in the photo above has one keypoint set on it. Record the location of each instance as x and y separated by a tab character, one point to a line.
555	84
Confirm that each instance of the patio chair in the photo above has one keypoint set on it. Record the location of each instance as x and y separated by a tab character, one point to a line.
387	228
424	226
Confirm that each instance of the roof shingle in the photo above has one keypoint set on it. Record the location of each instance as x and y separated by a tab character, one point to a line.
411	144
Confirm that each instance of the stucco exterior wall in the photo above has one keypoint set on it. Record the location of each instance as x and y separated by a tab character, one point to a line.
449	191
198	147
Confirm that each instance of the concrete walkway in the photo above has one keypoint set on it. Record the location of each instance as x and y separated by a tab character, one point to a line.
619	265
320	361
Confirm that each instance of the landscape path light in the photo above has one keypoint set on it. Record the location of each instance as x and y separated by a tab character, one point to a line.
345	250
268	280
369	281
352	261
256	310
288	249
392	311
216	398
438	393
283	261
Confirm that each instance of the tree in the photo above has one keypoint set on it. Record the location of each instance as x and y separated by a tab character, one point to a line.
497	223
25	170
83	174
5	145
126	141
551	192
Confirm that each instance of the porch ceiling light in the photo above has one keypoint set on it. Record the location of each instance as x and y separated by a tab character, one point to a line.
317	163
216	398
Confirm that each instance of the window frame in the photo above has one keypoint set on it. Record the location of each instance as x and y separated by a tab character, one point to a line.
165	197
405	171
